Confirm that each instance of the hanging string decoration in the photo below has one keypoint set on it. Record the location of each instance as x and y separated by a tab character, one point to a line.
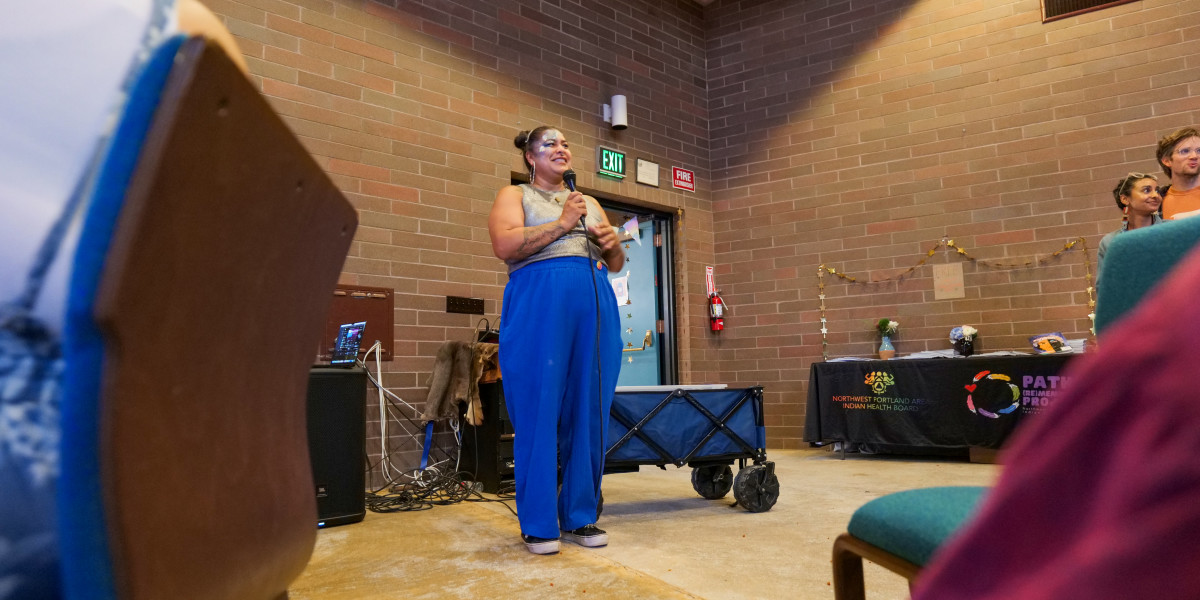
1080	243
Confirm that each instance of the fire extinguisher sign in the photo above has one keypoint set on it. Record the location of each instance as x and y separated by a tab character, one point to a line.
708	281
683	179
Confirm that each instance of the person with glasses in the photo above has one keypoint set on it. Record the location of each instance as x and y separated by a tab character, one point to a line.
1179	155
1138	198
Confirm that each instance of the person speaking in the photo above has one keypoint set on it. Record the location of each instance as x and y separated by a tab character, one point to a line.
560	342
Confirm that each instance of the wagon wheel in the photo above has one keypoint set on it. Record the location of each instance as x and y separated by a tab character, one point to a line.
756	488
712	481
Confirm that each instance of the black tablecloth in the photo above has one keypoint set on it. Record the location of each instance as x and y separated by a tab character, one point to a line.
937	402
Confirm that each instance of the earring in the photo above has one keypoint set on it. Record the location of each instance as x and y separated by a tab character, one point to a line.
533	176
1125	216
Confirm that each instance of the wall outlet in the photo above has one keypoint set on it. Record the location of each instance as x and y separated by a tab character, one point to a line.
470	306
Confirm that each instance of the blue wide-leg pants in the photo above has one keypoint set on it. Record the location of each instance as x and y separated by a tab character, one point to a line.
558	400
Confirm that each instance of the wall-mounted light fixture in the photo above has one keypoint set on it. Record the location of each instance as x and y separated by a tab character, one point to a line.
615	113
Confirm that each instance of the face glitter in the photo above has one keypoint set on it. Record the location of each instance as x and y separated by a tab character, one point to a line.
547	142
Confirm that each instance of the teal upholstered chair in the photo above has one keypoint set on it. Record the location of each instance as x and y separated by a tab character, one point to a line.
899	532
204	271
1137	260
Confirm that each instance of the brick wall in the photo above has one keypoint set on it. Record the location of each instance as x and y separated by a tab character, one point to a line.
412	106
858	134
855	134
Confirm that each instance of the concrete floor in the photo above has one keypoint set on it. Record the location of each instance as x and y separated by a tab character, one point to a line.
665	540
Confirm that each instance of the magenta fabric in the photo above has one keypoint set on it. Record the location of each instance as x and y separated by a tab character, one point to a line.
1100	498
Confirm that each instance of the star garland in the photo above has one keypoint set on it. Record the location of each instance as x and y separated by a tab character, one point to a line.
948	243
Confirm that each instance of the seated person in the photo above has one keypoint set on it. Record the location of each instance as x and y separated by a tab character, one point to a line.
1137	196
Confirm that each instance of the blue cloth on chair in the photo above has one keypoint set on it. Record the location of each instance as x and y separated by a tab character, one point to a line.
914	523
1136	261
36	341
86	567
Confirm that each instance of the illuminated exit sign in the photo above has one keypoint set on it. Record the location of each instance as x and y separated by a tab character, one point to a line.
611	162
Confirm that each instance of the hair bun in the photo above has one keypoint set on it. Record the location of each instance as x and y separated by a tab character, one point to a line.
521	140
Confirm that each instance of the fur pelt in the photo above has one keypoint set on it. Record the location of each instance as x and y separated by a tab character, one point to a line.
456	374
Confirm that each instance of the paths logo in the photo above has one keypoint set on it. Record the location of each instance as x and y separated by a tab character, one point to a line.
879	381
992	394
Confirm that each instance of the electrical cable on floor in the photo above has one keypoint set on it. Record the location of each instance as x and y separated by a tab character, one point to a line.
417	489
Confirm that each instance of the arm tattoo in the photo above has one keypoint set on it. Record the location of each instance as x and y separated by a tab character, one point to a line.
539	237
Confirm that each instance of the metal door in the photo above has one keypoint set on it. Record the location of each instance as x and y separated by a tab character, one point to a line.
638	299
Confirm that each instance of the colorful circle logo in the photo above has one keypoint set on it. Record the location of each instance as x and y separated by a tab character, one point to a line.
992	394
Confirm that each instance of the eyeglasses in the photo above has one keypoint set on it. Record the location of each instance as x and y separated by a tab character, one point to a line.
1127	183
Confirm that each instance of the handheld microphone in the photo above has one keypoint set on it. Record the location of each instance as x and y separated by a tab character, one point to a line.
569	179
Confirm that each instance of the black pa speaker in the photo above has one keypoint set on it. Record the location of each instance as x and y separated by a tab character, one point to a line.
337	434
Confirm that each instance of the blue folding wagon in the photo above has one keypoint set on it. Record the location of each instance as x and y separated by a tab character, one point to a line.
705	427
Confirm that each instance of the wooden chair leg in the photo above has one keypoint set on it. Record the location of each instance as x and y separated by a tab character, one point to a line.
847	571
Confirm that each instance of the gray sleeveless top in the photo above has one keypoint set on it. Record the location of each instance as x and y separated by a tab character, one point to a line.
543	207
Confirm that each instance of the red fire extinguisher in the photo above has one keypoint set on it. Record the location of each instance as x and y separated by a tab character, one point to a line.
716	311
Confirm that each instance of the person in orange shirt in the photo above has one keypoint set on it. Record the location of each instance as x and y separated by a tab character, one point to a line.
1179	154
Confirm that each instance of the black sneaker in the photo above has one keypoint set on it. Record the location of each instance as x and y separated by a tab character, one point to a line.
588	536
539	545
